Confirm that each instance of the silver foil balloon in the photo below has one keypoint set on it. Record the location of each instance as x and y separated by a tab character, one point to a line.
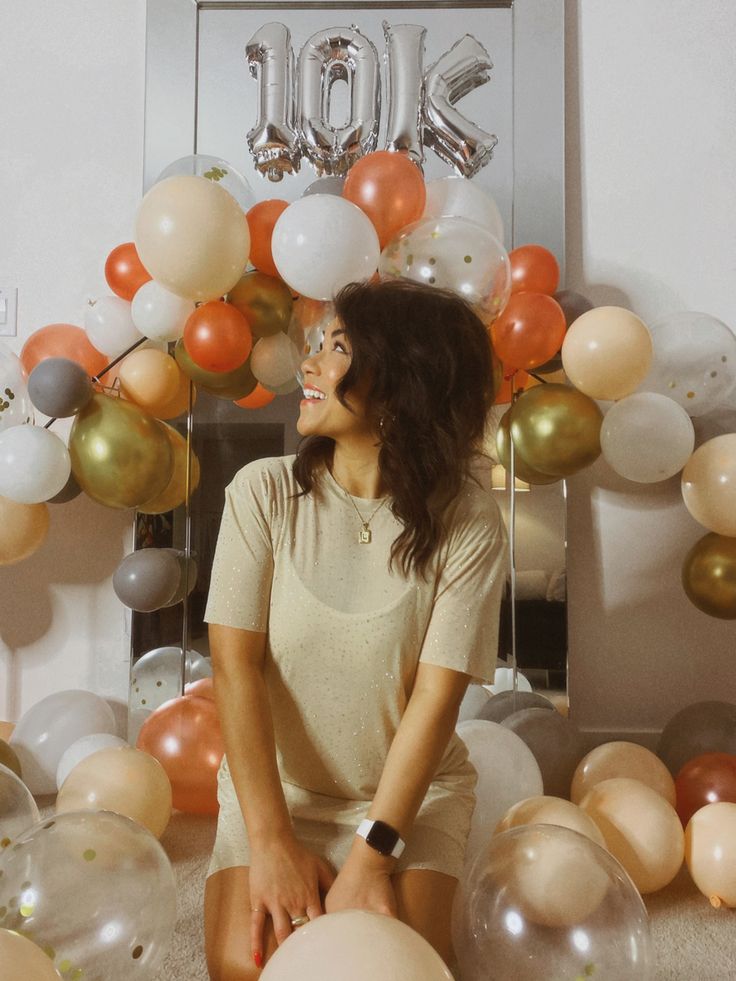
405	57
273	140
338	54
453	137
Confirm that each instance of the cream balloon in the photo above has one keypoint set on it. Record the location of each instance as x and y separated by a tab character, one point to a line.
150	378
82	748
22	959
192	237
607	352
458	197
710	852
709	485
622	759
110	326
158	313
640	829
120	779
357	942
34	464
275	360
551	810
647	437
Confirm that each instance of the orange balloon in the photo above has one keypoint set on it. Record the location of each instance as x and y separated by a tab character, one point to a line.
389	188
204	688
521	381
180	401
257	399
184	735
533	270
529	330
62	341
217	337
261	219
124	271
703	780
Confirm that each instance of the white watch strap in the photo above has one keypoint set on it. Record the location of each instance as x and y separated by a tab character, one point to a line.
364	829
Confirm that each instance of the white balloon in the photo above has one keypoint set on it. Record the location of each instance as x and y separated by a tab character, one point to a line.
110	326
694	361
34	464
503	680
322	242
647	437
507	773
158	313
275	360
458	197
49	728
15	405
83	748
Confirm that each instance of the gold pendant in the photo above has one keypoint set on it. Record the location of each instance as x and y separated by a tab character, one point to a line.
364	538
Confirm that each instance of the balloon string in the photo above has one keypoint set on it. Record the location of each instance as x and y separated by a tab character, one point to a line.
512	555
187	540
96	378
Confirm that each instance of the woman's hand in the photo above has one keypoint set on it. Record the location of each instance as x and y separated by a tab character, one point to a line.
364	882
286	881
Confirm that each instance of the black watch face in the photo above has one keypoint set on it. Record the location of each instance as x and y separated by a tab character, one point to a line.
382	837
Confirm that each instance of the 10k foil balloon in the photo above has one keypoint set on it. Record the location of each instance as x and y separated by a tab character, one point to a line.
454	254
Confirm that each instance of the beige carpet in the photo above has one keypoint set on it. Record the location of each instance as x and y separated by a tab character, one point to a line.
692	941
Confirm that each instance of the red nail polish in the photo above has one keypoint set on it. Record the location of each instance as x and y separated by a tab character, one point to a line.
258	958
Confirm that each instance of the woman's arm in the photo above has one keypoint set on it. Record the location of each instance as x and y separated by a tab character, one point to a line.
285	878
416	751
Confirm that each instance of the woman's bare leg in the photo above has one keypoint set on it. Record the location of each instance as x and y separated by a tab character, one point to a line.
424	900
227	927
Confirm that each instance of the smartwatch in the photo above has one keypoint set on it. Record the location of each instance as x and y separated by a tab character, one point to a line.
381	836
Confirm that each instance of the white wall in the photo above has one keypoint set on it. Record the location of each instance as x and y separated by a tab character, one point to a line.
651	138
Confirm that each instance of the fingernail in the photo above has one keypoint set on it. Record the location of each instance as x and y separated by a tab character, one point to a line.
258	958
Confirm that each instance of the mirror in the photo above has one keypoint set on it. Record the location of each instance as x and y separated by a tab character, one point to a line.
200	97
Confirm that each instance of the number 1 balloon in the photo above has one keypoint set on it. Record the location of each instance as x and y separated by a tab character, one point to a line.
273	140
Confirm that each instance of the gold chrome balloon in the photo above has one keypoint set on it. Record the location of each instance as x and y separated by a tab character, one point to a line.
175	491
230	385
709	576
522	470
121	456
265	302
556	429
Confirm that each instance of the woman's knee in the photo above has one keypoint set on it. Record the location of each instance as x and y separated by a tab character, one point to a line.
226	923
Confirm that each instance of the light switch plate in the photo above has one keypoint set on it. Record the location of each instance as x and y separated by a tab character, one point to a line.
8	311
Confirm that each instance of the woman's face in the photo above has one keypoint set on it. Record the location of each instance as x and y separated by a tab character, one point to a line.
320	411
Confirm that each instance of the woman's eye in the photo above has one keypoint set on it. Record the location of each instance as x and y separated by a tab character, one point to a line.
339	347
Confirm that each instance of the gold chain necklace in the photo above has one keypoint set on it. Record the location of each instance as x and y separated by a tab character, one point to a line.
365	535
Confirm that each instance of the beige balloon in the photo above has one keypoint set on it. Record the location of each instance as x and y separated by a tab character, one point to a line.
552	879
23	528
121	779
20	959
550	810
622	759
709	485
640	829
710	852
192	237
607	352
149	378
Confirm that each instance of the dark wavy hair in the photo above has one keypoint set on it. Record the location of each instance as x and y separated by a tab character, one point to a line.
426	357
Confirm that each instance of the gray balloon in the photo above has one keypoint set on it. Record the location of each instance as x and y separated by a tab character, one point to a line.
556	745
191	577
573	305
59	387
68	492
326	185
147	580
704	727
476	698
504	704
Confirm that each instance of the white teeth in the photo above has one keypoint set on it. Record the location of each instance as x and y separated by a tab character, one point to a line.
311	393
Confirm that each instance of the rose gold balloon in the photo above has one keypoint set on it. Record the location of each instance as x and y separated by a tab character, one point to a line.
710	852
622	759
640	828
204	688
607	352
704	780
709	485
184	736
23	528
121	779
22	959
150	378
6	730
550	810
